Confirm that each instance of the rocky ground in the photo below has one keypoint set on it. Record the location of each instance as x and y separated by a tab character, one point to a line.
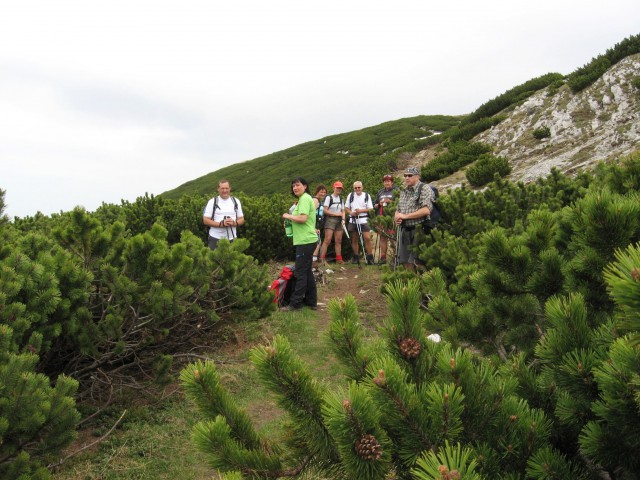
601	123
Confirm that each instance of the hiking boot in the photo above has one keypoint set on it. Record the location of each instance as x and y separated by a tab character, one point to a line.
382	261
340	261
370	260
355	260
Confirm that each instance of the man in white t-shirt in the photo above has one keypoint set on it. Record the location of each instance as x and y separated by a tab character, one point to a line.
357	206
222	215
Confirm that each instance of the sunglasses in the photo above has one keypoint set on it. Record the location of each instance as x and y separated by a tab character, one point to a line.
357	188
408	175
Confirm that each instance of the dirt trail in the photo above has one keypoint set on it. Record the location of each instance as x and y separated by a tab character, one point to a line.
361	282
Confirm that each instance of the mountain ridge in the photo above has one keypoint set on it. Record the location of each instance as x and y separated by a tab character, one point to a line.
598	123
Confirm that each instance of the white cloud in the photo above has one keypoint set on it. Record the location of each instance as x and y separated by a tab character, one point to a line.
107	101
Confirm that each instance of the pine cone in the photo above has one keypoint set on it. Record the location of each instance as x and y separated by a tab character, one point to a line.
368	448
410	347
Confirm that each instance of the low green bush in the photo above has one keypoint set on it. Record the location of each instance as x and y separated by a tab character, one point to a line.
460	154
485	168
542	132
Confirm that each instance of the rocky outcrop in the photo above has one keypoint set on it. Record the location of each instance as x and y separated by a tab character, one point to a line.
601	122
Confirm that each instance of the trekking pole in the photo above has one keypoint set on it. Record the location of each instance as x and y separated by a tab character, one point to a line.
376	247
346	232
398	242
363	252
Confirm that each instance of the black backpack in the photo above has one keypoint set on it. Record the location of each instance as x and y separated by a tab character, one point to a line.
319	217
331	201
436	213
215	205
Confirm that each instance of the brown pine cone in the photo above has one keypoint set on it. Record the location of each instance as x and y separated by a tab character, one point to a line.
368	448
410	347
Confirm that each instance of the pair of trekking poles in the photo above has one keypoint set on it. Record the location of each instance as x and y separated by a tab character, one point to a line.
363	251
361	240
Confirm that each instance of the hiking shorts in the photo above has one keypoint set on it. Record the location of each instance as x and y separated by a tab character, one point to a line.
352	227
332	223
212	242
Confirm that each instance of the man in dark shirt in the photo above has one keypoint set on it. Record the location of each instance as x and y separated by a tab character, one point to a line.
383	198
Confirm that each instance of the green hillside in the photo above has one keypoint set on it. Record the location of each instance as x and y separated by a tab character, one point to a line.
325	159
368	153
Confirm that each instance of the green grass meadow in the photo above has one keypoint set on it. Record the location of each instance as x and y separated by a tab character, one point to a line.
153	441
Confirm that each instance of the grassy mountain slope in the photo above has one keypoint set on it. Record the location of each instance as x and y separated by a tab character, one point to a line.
324	159
595	106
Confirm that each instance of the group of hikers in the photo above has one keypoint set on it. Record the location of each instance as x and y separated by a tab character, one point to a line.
329	217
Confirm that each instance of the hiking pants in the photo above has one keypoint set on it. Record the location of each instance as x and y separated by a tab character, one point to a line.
304	292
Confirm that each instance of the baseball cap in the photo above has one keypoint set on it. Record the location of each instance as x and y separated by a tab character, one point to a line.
337	184
411	171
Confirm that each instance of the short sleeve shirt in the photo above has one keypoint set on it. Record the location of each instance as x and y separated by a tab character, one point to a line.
359	202
305	233
226	208
337	205
410	202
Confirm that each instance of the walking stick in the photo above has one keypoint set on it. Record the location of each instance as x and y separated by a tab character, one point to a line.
346	232
376	247
398	242
359	230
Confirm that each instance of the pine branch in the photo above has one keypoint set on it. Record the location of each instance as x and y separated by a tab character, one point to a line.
86	447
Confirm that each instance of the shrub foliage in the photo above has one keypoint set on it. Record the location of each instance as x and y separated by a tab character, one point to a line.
486	168
543	279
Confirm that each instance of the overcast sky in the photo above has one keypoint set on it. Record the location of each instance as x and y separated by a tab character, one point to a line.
104	101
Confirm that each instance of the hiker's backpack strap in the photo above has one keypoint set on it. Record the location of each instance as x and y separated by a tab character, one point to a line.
215	205
235	207
366	201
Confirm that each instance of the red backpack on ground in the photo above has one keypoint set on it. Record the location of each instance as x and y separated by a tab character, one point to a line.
282	286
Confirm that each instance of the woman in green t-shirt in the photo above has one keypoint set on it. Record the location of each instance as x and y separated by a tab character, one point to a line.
305	238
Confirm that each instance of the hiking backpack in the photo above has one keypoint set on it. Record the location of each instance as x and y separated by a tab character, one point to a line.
282	287
320	214
436	213
331	201
215	205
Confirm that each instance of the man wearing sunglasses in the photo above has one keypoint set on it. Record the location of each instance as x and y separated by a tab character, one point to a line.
414	207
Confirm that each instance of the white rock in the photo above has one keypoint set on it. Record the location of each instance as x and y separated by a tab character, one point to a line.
434	337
